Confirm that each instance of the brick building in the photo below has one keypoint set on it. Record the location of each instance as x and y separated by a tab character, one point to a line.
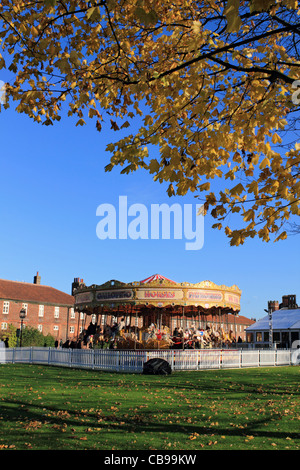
49	310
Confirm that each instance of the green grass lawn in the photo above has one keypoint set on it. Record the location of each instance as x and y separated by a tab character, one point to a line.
58	408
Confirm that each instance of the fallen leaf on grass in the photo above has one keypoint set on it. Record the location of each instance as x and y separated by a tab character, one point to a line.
211	443
33	425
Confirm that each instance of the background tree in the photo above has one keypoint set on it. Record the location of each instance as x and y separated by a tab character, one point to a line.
33	337
11	334
212	85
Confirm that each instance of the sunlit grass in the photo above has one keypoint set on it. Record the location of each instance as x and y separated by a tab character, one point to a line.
60	408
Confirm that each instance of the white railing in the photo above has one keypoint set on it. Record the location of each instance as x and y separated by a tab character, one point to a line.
133	360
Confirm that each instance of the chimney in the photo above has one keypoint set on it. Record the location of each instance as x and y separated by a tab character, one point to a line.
77	283
273	305
37	279
285	301
288	301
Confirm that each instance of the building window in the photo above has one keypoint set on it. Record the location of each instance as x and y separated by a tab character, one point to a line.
72	314
285	336
266	336
56	312
5	307
249	337
55	328
276	336
40	328
4	326
72	329
294	336
81	315
259	336
41	310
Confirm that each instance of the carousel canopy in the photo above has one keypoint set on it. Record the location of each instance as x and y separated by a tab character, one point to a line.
156	277
159	292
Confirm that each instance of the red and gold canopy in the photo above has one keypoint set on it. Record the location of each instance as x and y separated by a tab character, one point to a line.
156	277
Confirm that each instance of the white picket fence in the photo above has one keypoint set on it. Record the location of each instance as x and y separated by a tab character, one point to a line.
133	360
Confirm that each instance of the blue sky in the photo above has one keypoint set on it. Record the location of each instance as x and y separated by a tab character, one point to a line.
53	180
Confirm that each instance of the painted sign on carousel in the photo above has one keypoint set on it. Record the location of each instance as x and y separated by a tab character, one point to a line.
84	298
108	295
208	296
234	299
159	294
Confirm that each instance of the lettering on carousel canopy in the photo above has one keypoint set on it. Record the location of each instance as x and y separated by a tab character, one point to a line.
84	297
148	294
114	294
204	295
234	299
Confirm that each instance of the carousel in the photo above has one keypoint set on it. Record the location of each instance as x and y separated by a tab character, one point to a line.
157	313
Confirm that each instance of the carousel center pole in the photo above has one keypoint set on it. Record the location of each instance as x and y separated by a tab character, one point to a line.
182	327
221	339
135	329
234	327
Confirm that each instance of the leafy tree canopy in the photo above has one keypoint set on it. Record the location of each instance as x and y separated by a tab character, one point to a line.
11	335
33	337
210	83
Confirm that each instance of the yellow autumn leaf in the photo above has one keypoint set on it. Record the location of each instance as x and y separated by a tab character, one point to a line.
260	5
80	122
234	21
282	236
249	215
237	190
265	162
276	139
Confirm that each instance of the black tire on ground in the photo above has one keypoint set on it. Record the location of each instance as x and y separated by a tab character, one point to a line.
157	366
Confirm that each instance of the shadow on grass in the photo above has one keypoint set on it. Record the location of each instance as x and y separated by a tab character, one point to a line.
40	418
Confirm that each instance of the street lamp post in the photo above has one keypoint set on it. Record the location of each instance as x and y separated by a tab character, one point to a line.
269	312
22	316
